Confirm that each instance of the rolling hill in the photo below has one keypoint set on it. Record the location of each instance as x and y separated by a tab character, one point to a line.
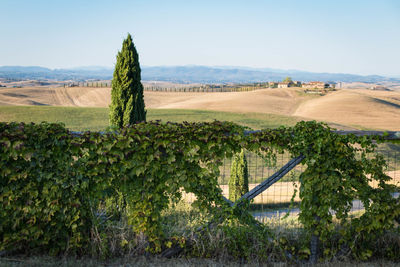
357	108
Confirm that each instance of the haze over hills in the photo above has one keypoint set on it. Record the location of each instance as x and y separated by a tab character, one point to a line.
186	74
41	73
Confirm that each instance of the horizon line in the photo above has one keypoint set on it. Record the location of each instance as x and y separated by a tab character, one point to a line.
262	69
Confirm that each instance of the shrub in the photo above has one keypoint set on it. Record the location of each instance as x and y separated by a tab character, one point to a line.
239	179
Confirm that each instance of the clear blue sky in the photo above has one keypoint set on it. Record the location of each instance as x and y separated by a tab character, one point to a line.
361	37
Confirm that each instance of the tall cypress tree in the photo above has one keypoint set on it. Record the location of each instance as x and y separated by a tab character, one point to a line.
239	180
127	102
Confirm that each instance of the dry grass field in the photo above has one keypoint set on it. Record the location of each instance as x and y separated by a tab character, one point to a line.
356	108
56	96
362	108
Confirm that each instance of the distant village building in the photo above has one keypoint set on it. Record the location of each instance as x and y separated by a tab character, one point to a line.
309	85
296	84
315	85
283	85
379	87
272	84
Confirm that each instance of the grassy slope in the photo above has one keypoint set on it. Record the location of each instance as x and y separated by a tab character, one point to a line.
95	119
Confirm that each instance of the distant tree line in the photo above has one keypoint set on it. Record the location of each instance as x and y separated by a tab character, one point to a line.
205	88
209	88
88	84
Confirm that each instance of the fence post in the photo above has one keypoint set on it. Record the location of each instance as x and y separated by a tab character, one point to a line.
314	245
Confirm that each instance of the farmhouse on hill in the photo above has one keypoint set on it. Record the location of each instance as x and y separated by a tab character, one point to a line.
296	84
315	85
307	85
288	84
283	84
272	84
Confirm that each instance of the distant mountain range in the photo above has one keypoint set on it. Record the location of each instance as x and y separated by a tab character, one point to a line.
40	73
187	74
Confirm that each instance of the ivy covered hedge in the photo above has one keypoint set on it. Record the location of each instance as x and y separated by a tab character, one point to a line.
43	192
54	184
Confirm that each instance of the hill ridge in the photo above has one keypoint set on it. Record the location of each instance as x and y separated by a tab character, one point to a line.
187	74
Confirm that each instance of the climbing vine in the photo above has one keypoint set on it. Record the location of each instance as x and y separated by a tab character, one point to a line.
54	183
339	169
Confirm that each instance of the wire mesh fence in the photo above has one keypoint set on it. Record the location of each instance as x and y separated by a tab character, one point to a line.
276	202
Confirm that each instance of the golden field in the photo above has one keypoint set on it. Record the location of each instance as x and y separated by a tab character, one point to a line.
355	108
